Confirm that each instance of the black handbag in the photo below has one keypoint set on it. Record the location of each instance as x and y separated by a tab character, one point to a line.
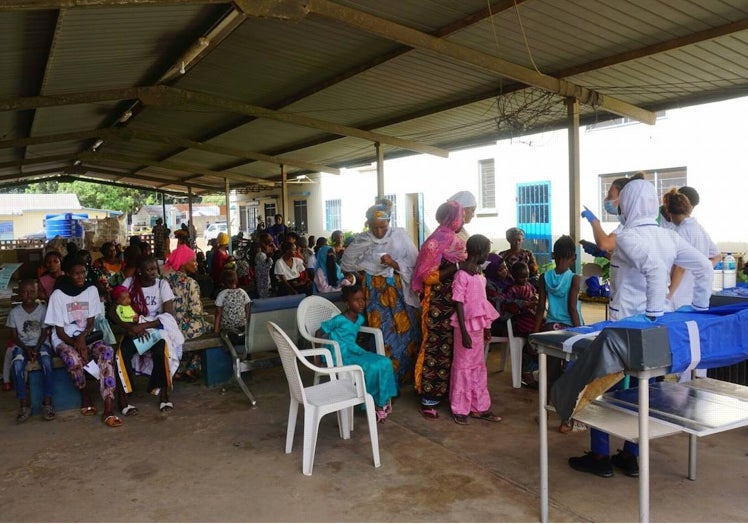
94	336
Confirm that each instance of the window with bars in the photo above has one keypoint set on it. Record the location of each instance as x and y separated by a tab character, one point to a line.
487	180
332	214
663	180
270	211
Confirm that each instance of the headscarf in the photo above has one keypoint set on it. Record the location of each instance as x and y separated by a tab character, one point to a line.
464	198
65	284
222	239
638	203
378	212
492	269
443	243
324	259
179	257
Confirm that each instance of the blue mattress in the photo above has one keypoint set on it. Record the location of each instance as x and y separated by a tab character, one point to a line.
722	335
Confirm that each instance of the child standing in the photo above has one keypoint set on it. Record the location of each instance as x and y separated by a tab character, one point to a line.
468	387
378	372
560	287
232	305
519	304
30	339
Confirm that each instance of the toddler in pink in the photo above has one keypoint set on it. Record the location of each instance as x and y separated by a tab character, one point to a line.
468	387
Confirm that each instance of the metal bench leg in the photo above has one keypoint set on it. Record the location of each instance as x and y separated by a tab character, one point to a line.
242	384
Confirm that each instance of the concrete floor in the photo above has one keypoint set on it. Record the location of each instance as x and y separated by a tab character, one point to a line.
213	459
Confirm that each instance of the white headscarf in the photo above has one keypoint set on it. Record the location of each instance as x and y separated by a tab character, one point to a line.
465	199
639	203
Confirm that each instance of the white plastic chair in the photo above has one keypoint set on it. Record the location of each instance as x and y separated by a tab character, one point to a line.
338	395
513	349
313	311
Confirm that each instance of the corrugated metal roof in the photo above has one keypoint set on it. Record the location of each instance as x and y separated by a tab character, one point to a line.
12	203
651	54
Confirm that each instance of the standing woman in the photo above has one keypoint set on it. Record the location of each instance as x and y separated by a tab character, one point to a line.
438	261
153	299
220	257
515	236
468	202
73	306
385	256
263	264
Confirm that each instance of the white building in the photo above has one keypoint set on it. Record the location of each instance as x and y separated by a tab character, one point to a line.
525	181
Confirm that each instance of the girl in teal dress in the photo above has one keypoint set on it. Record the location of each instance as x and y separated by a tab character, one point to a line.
378	372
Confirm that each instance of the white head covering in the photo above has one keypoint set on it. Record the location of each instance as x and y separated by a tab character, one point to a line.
639	203
465	199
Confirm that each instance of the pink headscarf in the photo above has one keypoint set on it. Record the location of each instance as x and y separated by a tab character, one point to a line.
179	257
443	243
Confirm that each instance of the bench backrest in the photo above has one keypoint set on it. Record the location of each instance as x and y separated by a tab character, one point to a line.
282	311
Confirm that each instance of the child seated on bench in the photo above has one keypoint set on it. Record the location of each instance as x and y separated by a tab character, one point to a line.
378	372
232	307
30	339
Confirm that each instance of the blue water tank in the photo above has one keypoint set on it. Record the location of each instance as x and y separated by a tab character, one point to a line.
59	225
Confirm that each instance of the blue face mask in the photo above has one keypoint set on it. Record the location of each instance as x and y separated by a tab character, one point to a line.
610	207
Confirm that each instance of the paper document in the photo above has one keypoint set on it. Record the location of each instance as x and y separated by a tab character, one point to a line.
93	369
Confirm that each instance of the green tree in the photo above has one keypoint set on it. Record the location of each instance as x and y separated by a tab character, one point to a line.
99	196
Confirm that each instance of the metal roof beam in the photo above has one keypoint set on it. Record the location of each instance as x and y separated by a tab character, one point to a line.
126	134
163	96
140	176
37	5
175	166
419	40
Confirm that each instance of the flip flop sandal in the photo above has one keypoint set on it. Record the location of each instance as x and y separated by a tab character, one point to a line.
88	411
48	412
165	407
129	410
113	421
24	412
486	415
429	413
460	419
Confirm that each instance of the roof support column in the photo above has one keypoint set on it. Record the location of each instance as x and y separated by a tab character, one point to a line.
228	212
284	193
163	207
380	170
572	114
190	221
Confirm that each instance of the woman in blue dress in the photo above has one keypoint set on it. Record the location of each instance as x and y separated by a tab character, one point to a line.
378	372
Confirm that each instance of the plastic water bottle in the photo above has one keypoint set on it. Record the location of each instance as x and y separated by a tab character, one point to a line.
717	278
730	270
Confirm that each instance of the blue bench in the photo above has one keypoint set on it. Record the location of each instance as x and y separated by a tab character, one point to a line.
66	396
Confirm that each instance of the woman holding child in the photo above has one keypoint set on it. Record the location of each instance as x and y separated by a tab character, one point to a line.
153	301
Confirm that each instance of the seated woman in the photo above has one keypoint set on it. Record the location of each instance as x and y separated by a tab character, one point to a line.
328	276
153	299
72	309
291	273
109	266
179	269
515	236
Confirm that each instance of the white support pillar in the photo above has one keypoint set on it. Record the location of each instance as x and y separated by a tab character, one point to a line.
228	211
380	170
284	193
572	112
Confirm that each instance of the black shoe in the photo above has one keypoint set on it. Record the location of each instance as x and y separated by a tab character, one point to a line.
589	464
627	462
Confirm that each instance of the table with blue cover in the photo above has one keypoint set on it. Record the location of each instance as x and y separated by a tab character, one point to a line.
674	343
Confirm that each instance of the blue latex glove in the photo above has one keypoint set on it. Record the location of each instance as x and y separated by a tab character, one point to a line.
591	249
589	215
685	309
